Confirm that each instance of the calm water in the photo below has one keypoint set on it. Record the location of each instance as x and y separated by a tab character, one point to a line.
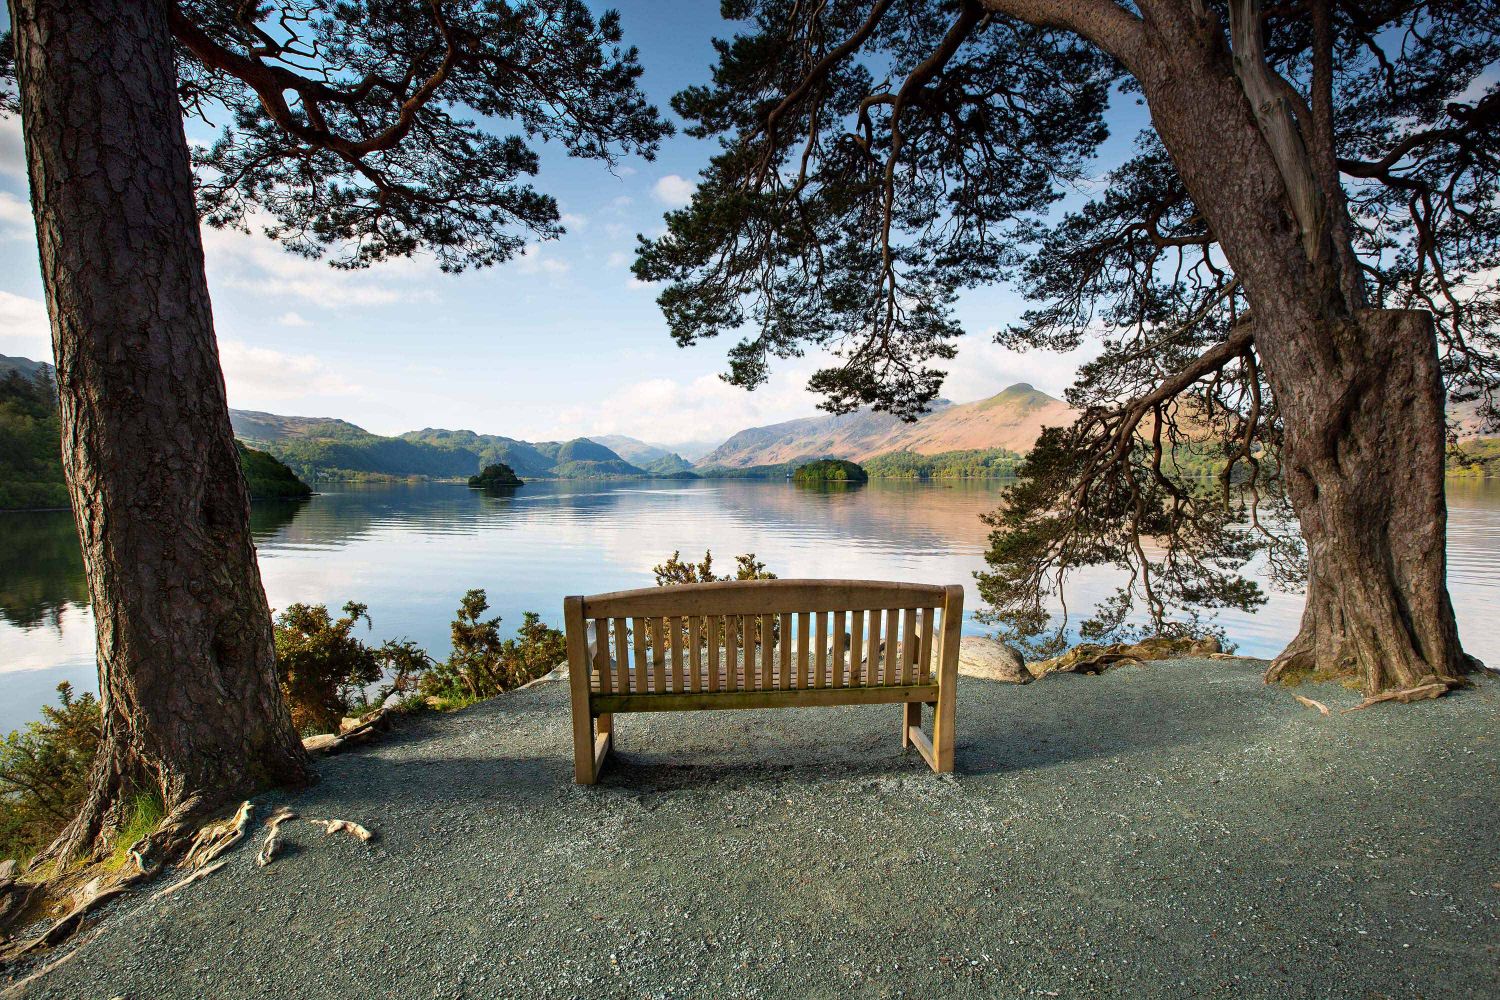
410	552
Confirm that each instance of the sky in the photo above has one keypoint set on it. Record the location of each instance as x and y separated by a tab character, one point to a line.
561	343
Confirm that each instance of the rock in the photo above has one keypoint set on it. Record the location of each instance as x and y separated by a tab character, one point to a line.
8	870
981	656
1205	647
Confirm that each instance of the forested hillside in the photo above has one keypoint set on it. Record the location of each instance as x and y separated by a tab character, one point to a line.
31	475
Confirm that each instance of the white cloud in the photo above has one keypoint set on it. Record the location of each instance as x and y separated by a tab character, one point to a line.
292	319
16	222
256	374
983	368
665	409
24	328
635	284
535	260
251	262
12	148
620	258
674	191
574	222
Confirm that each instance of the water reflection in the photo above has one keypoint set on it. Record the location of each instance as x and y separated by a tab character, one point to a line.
410	551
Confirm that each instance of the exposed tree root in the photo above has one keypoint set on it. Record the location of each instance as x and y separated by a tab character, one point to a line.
1430	687
216	838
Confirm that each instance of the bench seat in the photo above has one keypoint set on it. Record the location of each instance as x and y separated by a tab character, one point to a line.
793	643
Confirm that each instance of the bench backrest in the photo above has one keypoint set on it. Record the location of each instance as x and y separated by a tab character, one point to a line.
765	635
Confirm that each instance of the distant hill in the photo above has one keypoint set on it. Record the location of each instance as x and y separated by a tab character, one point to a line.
1010	420
320	448
644	453
25	366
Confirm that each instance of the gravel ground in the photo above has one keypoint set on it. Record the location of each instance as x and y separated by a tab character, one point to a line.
1170	830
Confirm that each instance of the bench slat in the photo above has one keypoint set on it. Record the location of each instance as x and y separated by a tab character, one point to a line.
856	648
892	647
804	625
909	644
872	651
924	655
713	628
601	653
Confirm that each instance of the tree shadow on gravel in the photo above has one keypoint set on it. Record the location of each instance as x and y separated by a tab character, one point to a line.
523	749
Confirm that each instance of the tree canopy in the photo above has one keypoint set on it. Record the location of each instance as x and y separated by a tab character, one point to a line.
879	158
368	129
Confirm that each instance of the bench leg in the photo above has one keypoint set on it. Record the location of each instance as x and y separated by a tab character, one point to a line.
911	715
583	745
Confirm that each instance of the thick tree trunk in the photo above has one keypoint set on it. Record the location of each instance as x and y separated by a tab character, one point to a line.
187	672
1364	460
1359	392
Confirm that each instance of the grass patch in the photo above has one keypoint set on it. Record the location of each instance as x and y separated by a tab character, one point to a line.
144	814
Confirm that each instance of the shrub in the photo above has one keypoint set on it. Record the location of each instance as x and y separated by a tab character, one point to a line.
675	571
44	771
482	664
324	666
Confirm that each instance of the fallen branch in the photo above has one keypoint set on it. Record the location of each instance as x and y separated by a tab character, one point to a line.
273	826
332	826
1322	708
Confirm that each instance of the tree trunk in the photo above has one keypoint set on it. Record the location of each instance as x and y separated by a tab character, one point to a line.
1364	461
187	676
1358	391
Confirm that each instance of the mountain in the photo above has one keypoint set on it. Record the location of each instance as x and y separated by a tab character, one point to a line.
25	367
1011	420
323	448
645	454
253	425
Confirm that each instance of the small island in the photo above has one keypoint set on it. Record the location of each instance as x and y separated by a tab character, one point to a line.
494	477
829	470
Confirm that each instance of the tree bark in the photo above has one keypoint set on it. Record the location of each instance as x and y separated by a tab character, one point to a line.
187	676
1358	390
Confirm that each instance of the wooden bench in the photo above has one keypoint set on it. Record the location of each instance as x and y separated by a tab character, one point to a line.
763	644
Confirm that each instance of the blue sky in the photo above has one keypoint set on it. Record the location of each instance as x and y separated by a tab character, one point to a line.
562	343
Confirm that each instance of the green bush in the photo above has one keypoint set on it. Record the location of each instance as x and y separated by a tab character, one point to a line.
44	771
482	664
324	666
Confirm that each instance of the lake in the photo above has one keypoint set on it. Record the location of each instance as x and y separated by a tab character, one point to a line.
410	552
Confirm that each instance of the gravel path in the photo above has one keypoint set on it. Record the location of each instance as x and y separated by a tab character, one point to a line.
1176	829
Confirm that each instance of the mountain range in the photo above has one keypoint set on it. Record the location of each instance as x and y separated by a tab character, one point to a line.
1009	420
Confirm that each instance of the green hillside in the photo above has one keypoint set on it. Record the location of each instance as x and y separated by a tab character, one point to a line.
269	478
988	463
31	473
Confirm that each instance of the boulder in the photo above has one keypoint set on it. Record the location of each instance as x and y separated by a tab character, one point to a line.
981	656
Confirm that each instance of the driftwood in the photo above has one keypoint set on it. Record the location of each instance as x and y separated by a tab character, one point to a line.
332	826
1322	708
350	731
273	828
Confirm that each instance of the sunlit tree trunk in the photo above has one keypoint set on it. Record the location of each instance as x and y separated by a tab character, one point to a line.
187	672
1358	390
